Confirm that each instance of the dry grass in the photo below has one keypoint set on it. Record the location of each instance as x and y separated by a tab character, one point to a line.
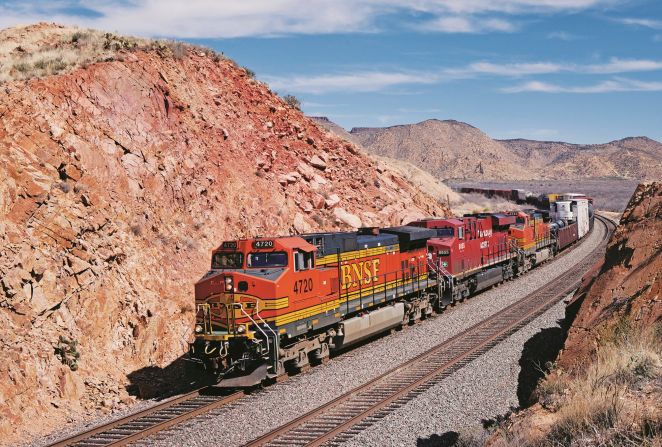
48	49
37	51
616	400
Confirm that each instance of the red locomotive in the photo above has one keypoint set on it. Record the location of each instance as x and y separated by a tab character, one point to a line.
272	305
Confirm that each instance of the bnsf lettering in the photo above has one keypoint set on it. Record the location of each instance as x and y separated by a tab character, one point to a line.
364	272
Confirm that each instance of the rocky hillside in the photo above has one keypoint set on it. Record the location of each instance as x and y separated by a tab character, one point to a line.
637	158
119	172
607	385
447	149
451	149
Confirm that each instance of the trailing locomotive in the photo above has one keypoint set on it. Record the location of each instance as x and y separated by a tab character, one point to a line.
272	305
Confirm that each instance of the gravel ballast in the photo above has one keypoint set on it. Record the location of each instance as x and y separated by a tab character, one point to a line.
492	380
480	391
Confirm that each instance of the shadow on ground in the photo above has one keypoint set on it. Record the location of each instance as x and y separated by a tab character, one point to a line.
537	357
178	377
447	439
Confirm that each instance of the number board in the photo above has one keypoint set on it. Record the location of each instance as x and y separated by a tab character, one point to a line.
263	244
229	245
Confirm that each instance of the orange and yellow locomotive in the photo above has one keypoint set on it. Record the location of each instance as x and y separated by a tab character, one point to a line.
269	305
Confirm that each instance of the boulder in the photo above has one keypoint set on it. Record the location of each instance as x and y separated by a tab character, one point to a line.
317	162
306	171
347	218
332	201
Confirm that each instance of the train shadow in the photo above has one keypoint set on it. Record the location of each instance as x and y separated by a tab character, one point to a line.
180	376
448	439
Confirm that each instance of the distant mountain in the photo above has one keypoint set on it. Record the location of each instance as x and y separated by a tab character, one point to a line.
447	149
420	178
453	149
633	157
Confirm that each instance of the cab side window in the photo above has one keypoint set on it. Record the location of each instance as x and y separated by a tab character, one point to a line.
303	260
460	233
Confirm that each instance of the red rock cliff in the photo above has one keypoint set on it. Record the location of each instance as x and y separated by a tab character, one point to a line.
628	283
116	181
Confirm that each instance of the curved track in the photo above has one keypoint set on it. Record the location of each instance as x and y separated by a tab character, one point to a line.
342	418
353	411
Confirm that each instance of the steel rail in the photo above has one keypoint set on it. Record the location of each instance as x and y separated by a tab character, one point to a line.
150	420
341	418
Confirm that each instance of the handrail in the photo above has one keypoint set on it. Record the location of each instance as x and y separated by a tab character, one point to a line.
241	307
257	312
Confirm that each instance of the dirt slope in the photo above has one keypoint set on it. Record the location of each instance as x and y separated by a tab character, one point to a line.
117	178
447	149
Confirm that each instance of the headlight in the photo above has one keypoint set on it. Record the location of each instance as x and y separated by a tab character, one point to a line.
198	328
228	283
241	329
228	287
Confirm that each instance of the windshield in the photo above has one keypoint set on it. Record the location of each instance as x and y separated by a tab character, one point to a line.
442	232
227	261
270	259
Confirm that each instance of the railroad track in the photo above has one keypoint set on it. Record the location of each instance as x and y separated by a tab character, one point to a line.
350	412
347	415
151	420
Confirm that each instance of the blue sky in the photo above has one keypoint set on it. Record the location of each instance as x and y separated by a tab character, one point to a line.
584	71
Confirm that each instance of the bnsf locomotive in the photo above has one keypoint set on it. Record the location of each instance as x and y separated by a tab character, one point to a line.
273	305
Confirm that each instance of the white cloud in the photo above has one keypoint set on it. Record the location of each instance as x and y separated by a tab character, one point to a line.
562	35
466	24
521	69
367	81
648	23
613	85
218	19
615	65
373	81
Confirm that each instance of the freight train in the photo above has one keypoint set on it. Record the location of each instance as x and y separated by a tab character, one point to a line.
269	306
521	196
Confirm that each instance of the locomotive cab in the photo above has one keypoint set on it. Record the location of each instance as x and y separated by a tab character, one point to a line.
248	282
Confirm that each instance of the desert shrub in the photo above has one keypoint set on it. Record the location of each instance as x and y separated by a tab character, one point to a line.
318	220
136	229
185	308
178	49
66	351
80	36
250	73
292	101
22	67
63	186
